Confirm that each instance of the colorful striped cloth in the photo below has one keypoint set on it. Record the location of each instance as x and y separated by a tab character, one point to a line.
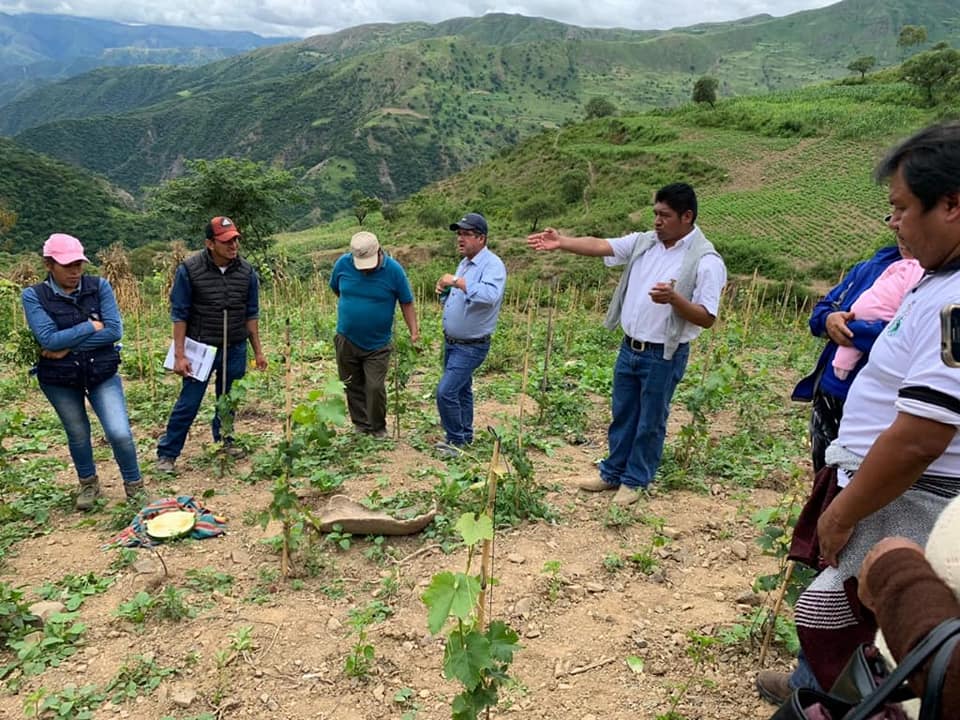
207	524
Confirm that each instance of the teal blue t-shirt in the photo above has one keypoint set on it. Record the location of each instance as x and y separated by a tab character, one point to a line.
368	301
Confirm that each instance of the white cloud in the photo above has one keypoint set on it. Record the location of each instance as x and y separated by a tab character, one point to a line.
311	17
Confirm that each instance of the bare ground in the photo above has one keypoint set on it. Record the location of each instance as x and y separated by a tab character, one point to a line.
575	640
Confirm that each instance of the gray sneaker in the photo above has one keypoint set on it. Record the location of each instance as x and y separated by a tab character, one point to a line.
447	450
136	494
89	492
166	465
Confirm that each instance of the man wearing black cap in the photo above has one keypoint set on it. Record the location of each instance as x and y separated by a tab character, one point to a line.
471	303
215	294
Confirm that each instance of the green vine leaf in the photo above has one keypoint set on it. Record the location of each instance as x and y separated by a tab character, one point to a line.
450	594
466	657
503	641
474	529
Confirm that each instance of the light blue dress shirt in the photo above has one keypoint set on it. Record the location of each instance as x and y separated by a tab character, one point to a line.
473	314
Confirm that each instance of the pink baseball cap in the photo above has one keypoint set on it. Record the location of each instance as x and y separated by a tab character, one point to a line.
64	249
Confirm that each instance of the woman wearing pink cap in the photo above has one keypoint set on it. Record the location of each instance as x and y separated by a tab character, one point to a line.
75	319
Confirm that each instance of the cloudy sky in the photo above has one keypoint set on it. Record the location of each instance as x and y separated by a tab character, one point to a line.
312	17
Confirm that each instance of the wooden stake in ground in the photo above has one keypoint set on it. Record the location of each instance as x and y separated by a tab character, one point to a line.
486	560
526	372
544	382
772	620
288	436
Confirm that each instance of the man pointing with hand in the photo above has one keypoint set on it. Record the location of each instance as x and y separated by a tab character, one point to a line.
669	291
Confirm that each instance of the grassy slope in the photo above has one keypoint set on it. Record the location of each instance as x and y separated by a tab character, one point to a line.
785	181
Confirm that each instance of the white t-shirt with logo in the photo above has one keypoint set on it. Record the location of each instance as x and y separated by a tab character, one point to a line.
906	374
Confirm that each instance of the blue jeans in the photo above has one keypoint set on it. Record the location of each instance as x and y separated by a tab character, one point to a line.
191	396
455	390
110	406
802	676
643	385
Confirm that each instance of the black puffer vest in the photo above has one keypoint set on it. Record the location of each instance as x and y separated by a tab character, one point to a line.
80	369
212	292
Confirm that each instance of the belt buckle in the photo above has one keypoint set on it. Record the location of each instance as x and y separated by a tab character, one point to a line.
638	345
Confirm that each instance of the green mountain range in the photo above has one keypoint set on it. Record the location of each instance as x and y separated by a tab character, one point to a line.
388	109
35	48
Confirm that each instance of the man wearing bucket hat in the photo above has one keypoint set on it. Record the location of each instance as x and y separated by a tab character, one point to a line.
471	304
368	284
215	295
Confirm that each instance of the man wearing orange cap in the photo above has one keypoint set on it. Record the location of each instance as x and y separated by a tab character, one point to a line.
215	295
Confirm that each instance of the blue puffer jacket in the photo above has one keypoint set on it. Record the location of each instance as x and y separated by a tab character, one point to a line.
841	297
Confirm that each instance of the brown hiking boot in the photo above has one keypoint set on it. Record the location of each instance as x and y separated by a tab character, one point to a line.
89	492
773	686
627	495
595	484
136	494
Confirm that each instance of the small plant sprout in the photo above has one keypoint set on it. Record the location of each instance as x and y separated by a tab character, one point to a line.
551	568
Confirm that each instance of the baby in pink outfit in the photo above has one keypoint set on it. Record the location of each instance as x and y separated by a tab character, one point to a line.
880	302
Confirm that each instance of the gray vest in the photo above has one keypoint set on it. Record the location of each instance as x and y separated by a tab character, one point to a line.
686	283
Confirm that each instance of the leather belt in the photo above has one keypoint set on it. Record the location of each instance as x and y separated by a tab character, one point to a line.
641	345
468	341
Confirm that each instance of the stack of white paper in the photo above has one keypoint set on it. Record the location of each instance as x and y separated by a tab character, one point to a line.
198	354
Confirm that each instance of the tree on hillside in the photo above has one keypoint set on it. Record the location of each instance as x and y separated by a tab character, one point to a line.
534	209
705	90
932	70
572	185
862	65
254	195
390	213
363	205
599	107
8	219
910	36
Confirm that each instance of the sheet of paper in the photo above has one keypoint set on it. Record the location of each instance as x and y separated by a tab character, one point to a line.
200	356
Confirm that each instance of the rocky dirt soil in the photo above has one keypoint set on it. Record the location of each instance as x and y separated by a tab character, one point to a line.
578	625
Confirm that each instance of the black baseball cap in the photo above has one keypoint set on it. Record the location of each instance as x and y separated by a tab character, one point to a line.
471	221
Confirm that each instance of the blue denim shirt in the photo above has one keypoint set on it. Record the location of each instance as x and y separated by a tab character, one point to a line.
181	296
473	314
81	336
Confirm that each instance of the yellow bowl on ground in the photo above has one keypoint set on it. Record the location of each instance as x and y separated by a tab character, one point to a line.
173	524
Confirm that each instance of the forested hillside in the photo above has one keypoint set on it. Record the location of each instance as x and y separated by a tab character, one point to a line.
386	109
46	196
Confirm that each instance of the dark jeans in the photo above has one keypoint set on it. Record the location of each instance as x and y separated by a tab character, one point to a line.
108	403
643	385
364	375
191	396
825	413
455	390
